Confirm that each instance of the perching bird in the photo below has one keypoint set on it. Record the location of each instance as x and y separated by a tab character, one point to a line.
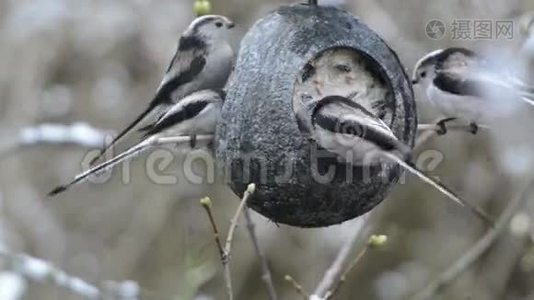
349	130
194	115
203	60
462	84
357	137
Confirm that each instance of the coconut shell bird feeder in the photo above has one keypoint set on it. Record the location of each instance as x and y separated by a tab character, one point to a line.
258	138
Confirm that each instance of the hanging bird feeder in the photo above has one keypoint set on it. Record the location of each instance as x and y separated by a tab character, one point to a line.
258	139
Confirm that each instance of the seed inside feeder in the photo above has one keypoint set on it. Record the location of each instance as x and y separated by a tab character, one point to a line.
348	73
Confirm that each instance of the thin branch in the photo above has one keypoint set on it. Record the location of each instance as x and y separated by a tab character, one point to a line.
297	286
343	277
228	247
42	271
227	250
425	135
459	127
334	271
423	138
480	247
266	272
374	242
81	134
332	274
206	203
430	130
181	139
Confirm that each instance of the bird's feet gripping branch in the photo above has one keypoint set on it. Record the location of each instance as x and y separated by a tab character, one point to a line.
441	127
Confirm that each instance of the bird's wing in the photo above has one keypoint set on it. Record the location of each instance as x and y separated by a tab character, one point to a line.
340	115
186	64
457	84
458	57
478	76
187	109
187	43
486	84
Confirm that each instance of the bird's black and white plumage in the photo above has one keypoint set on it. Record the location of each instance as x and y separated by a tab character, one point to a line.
349	130
462	84
358	138
203	60
196	114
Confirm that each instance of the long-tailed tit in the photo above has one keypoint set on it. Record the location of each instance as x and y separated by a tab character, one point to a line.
203	60
359	138
194	115
462	84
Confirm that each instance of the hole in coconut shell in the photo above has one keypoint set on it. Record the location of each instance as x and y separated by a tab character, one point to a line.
349	73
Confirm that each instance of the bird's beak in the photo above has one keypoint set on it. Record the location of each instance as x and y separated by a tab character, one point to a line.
231	25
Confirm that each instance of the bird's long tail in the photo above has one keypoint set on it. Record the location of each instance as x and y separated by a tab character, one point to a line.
529	99
522	86
124	133
526	92
104	166
440	187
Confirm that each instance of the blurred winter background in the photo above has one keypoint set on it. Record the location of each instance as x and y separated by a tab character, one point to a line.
99	62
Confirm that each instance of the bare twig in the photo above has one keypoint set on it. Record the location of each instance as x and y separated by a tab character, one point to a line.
425	135
206	203
266	272
423	138
332	274
228	246
77	133
80	134
181	139
459	127
480	247
297	286
374	241
430	130
42	271
227	250
39	270
343	277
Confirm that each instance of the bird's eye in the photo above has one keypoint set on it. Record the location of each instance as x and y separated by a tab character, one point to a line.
219	24
343	68
423	74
